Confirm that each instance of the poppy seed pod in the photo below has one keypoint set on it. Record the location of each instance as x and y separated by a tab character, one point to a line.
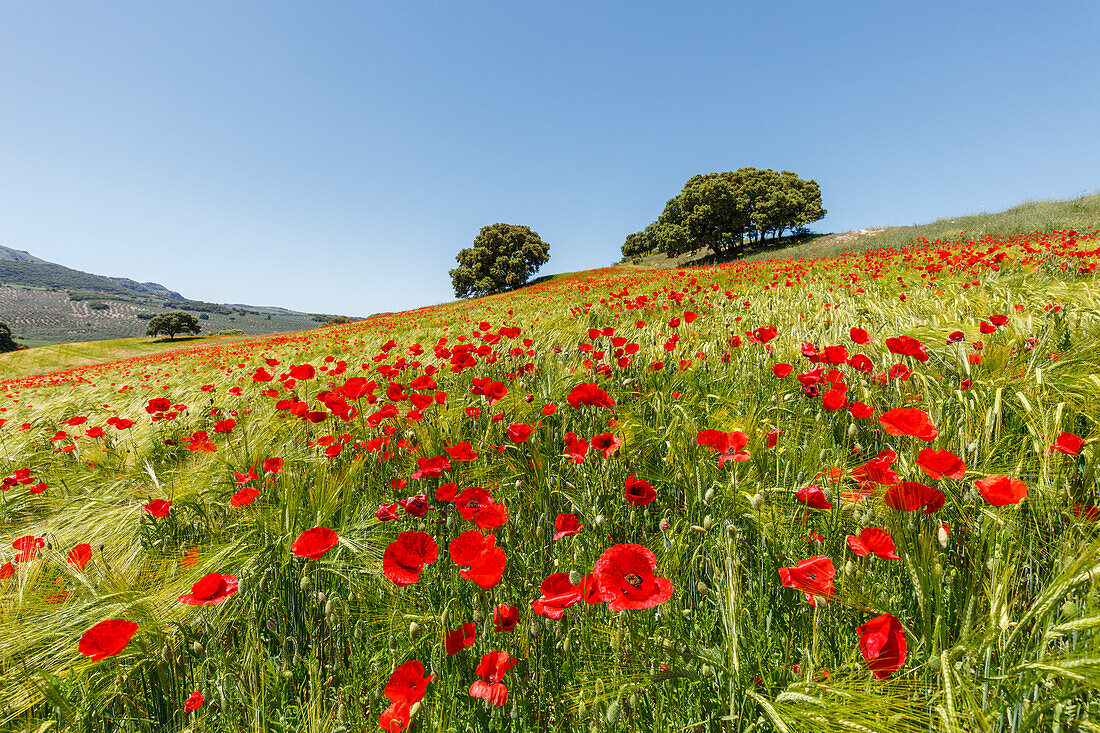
757	501
414	630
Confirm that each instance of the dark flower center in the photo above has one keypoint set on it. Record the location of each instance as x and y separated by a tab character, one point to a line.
634	580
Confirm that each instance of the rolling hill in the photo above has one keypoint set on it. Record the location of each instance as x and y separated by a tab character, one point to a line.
48	303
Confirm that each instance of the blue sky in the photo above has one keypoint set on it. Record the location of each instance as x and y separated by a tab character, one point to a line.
333	157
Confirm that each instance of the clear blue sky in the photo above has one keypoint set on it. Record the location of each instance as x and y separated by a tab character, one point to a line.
334	157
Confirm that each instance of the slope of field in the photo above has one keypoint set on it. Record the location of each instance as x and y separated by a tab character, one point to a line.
60	357
1081	214
846	494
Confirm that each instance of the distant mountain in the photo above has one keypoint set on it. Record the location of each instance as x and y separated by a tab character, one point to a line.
45	302
18	255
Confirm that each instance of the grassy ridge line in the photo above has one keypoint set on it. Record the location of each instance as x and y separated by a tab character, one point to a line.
1082	214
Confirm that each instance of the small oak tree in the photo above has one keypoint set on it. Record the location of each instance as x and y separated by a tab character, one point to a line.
502	257
7	343
172	323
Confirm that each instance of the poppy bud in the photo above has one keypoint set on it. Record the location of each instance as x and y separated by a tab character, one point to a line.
330	607
519	484
575	577
849	568
320	597
757	501
306	585
701	588
1069	609
707	497
853	431
708	522
540	533
599	520
857	448
414	630
445	618
934	662
633	520
942	536
197	647
613	712
664	524
393	643
477	616
534	628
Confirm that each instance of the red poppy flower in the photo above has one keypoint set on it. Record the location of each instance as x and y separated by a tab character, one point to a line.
909	496
782	370
813	497
107	638
607	443
491	671
482	561
28	546
273	465
461	451
446	492
566	524
873	539
225	426
882	642
859	336
476	505
158	508
860	410
1067	443
387	512
625	578
240	479
505	618
406	556
908	421
589	393
302	372
519	433
941	463
416	506
6	571
461	638
80	555
558	594
194	702
638	492
907	346
431	467
210	590
314	543
406	687
244	497
813	576
1001	490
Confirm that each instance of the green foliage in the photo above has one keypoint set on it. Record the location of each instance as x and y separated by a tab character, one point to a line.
7	343
722	211
338	320
172	323
97	305
502	258
228	332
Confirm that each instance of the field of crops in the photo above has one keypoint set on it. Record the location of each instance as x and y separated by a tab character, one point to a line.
51	316
847	494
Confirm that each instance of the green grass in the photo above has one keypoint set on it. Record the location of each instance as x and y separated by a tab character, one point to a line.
57	357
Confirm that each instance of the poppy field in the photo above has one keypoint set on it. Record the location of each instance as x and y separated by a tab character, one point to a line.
856	493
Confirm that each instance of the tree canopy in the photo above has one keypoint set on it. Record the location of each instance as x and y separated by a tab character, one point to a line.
724	210
7	343
172	323
502	258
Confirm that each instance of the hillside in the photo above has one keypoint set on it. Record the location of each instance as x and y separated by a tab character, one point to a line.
44	303
1030	216
855	493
